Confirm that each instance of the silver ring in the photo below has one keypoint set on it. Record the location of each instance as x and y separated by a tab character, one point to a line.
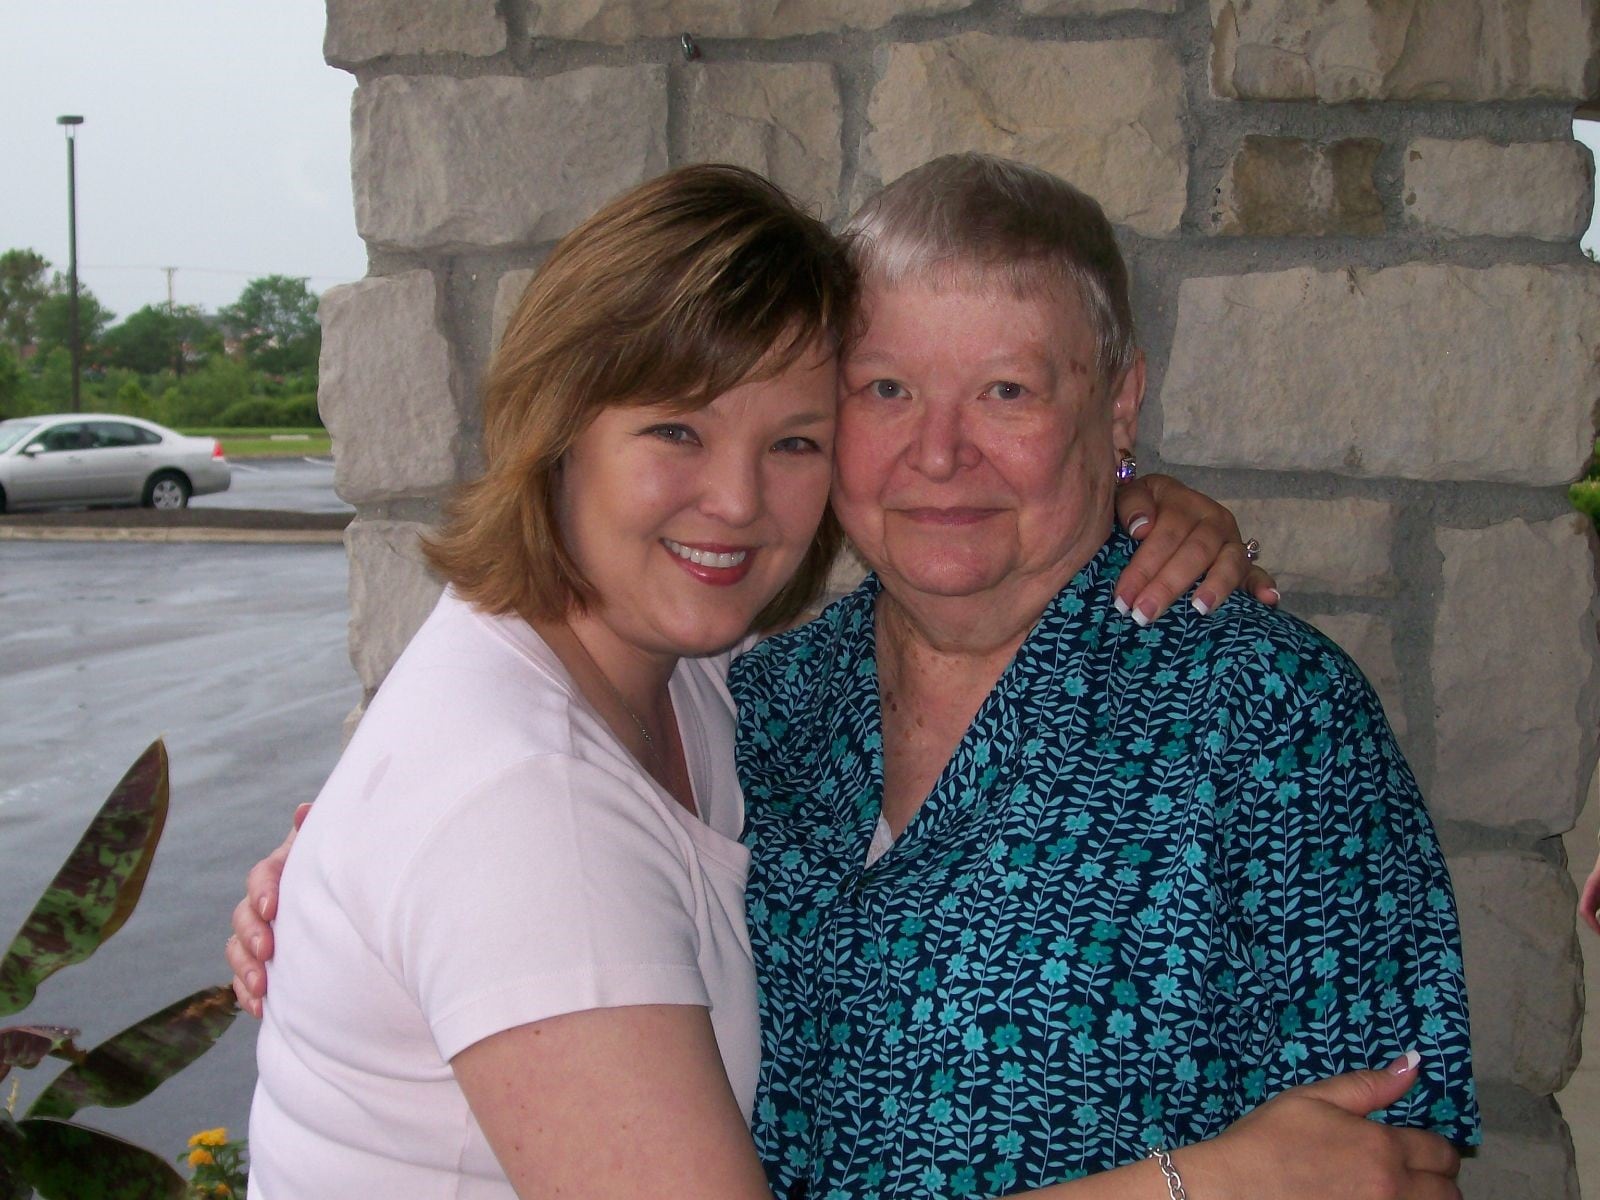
1252	550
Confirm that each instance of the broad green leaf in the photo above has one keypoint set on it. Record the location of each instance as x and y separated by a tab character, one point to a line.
96	889
13	1158
73	1162
26	1045
132	1064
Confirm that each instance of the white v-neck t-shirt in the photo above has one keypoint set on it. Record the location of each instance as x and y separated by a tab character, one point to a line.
486	854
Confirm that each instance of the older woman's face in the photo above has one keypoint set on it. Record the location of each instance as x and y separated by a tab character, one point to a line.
976	446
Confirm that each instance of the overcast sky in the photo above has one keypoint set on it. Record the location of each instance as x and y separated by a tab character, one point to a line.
215	140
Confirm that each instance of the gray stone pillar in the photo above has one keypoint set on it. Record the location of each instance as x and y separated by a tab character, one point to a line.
1353	232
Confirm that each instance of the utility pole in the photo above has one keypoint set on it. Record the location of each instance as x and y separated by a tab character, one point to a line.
70	124
171	271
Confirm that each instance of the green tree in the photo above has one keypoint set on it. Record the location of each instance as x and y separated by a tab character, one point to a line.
275	318
53	318
47	383
22	290
159	337
10	384
200	396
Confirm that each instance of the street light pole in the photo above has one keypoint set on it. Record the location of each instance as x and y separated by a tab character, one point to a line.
71	124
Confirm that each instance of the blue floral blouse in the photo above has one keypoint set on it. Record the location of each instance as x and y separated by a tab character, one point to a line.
1168	873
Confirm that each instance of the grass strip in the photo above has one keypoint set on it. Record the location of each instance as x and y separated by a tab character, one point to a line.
269	443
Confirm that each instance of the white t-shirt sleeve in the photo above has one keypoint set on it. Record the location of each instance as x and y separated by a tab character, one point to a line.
553	888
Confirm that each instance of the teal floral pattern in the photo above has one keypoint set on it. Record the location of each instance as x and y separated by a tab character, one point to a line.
1169	873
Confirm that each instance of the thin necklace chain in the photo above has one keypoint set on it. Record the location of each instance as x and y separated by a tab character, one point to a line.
650	742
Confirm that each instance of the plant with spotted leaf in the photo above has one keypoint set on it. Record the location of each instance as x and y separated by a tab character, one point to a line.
43	1152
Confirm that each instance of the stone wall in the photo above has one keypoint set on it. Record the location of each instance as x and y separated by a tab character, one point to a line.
1353	230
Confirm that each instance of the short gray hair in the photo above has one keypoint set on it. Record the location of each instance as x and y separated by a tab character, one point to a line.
976	214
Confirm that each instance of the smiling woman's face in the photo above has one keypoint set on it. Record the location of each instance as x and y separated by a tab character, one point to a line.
977	447
687	524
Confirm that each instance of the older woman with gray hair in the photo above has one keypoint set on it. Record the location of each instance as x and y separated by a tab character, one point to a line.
1034	889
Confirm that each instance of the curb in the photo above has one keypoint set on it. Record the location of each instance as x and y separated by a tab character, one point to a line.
89	533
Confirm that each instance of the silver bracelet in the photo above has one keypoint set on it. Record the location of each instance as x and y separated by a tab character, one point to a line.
1174	1180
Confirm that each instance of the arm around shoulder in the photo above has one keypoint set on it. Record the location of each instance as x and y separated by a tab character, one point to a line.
1343	900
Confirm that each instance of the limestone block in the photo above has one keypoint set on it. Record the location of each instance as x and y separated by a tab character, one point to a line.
1514	657
1094	8
386	391
351	722
624	20
1337	547
507	295
1417	372
1534	189
1369	641
1336	50
1527	1148
361	30
1276	186
1104	115
1524	974
1517	1166
781	119
500	161
392	591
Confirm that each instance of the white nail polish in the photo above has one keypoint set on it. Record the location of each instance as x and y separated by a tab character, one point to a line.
1201	607
1121	605
1139	618
1138	524
1276	596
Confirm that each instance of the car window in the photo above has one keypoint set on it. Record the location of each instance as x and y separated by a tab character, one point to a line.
114	434
14	431
147	437
65	437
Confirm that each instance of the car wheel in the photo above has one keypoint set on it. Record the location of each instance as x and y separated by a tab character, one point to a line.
167	489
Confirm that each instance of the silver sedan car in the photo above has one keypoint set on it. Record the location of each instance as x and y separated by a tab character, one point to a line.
77	459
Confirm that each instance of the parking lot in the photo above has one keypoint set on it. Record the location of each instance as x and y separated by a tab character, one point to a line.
236	655
285	484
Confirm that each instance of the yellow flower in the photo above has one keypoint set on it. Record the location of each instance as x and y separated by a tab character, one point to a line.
200	1157
222	1189
210	1137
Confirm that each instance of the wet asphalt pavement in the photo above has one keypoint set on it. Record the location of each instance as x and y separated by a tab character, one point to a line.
235	654
292	484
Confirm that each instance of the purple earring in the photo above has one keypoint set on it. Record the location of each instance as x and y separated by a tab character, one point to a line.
1127	467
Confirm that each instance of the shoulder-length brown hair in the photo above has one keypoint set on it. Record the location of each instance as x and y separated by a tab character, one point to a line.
675	292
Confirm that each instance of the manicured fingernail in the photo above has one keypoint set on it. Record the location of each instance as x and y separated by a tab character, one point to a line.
1405	1064
261	907
252	980
1138	524
1201	607
255	944
1141	618
1273	592
1121	604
